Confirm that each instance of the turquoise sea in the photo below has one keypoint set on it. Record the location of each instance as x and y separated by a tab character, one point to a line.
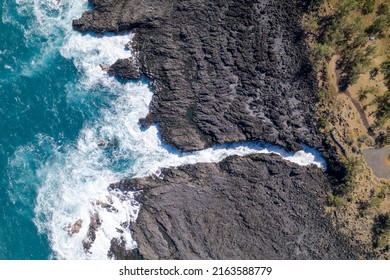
52	93
32	103
68	130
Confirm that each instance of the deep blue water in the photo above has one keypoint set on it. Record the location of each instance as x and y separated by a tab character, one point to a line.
29	106
56	105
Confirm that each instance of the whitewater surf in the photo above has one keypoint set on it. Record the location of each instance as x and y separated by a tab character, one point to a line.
72	204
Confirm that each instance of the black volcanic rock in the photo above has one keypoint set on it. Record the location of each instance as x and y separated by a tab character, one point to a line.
127	69
226	71
256	207
222	71
121	15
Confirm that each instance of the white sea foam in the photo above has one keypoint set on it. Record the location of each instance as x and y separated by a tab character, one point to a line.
49	24
74	180
84	172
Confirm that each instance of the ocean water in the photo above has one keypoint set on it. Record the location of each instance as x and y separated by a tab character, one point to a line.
57	107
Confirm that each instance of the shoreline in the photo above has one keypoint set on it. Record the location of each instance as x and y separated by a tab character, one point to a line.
273	102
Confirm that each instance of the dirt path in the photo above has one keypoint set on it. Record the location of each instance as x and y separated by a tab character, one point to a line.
359	108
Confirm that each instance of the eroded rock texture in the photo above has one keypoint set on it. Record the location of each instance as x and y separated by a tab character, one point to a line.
257	207
223	70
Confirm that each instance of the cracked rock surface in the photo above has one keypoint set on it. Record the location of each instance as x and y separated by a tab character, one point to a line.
225	71
256	207
222	71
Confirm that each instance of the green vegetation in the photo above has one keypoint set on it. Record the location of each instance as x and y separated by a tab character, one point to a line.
382	113
379	26
349	182
362	93
351	32
345	33
383	138
321	95
368	7
381	231
383	10
377	199
335	201
385	69
311	24
352	35
322	122
357	62
321	54
374	72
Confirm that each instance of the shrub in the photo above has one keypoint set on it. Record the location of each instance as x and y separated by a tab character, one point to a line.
324	52
374	72
353	167
383	10
359	41
344	7
322	122
321	96
381	230
334	200
311	24
383	138
368	7
362	93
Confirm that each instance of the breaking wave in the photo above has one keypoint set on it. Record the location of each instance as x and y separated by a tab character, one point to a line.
73	204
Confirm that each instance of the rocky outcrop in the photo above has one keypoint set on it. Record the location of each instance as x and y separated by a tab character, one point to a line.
118	251
93	227
126	69
257	207
223	71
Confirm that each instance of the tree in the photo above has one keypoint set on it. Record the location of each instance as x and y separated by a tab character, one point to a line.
385	69
351	26
344	7
378	27
383	111
362	93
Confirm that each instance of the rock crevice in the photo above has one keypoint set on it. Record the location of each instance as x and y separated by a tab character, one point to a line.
257	207
222	71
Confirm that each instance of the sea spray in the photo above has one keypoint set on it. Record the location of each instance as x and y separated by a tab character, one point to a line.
73	205
76	181
49	24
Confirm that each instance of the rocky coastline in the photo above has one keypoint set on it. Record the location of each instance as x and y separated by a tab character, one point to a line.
254	207
222	72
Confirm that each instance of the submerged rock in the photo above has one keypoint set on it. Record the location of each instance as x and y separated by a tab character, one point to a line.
94	225
75	228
